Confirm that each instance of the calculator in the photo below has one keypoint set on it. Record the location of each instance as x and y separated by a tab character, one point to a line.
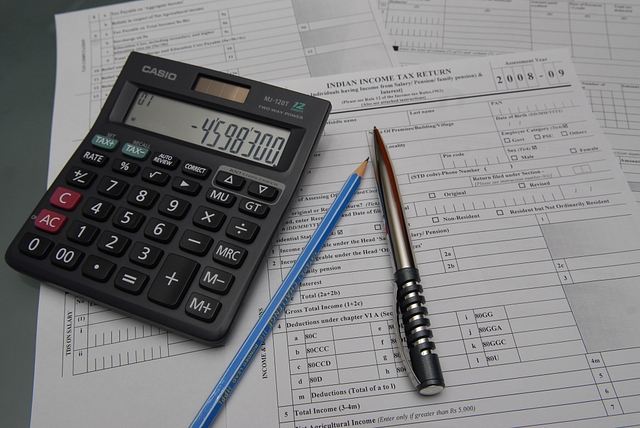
169	205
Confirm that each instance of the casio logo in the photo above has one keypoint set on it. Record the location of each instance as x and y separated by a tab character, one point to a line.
160	73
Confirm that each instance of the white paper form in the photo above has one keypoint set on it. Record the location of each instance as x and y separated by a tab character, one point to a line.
534	286
603	37
522	226
260	39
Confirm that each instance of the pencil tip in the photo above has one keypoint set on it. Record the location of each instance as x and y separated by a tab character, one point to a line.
360	170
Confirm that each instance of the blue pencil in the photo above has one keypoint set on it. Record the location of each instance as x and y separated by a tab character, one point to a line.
265	323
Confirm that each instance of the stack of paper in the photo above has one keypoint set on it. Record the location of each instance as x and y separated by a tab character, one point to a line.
526	232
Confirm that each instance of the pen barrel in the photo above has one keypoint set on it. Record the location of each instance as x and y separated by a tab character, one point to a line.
422	364
392	209
411	307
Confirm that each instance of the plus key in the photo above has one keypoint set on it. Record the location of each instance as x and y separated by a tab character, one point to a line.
172	281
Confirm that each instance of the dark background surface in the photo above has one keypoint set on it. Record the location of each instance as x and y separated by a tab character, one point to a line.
27	82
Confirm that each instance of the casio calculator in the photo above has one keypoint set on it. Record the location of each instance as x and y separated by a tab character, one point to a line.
170	203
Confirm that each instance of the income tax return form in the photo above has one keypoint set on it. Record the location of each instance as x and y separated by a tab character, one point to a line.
527	238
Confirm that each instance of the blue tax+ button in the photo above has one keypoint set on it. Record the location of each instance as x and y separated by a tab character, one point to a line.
103	142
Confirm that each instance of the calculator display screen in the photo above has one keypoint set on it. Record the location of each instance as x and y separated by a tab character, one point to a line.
214	130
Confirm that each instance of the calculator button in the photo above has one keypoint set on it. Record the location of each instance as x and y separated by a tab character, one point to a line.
50	221
195	243
142	197
172	280
125	167
128	220
92	158
253	208
160	230
82	233
35	246
112	187
103	142
130	280
242	230
145	255
113	243
65	199
173	207
165	160
66	257
135	151
97	268
196	170
152	175
79	177
208	218
96	209
229	254
186	186
220	197
216	280
262	191
230	181
202	307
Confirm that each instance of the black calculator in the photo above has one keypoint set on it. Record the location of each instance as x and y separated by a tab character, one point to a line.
169	205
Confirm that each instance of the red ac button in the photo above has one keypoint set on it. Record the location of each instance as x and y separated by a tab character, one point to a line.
50	221
65	199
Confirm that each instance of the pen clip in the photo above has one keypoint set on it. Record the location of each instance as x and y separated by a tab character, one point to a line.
401	340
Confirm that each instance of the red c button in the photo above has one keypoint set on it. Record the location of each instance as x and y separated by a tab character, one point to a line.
65	199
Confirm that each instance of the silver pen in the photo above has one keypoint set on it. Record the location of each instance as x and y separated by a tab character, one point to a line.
410	312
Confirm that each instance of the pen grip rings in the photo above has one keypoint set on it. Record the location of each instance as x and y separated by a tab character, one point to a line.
425	365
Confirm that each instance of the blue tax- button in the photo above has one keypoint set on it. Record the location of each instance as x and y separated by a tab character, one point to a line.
103	142
134	151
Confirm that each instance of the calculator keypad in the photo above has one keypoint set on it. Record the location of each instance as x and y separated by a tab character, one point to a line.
119	221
